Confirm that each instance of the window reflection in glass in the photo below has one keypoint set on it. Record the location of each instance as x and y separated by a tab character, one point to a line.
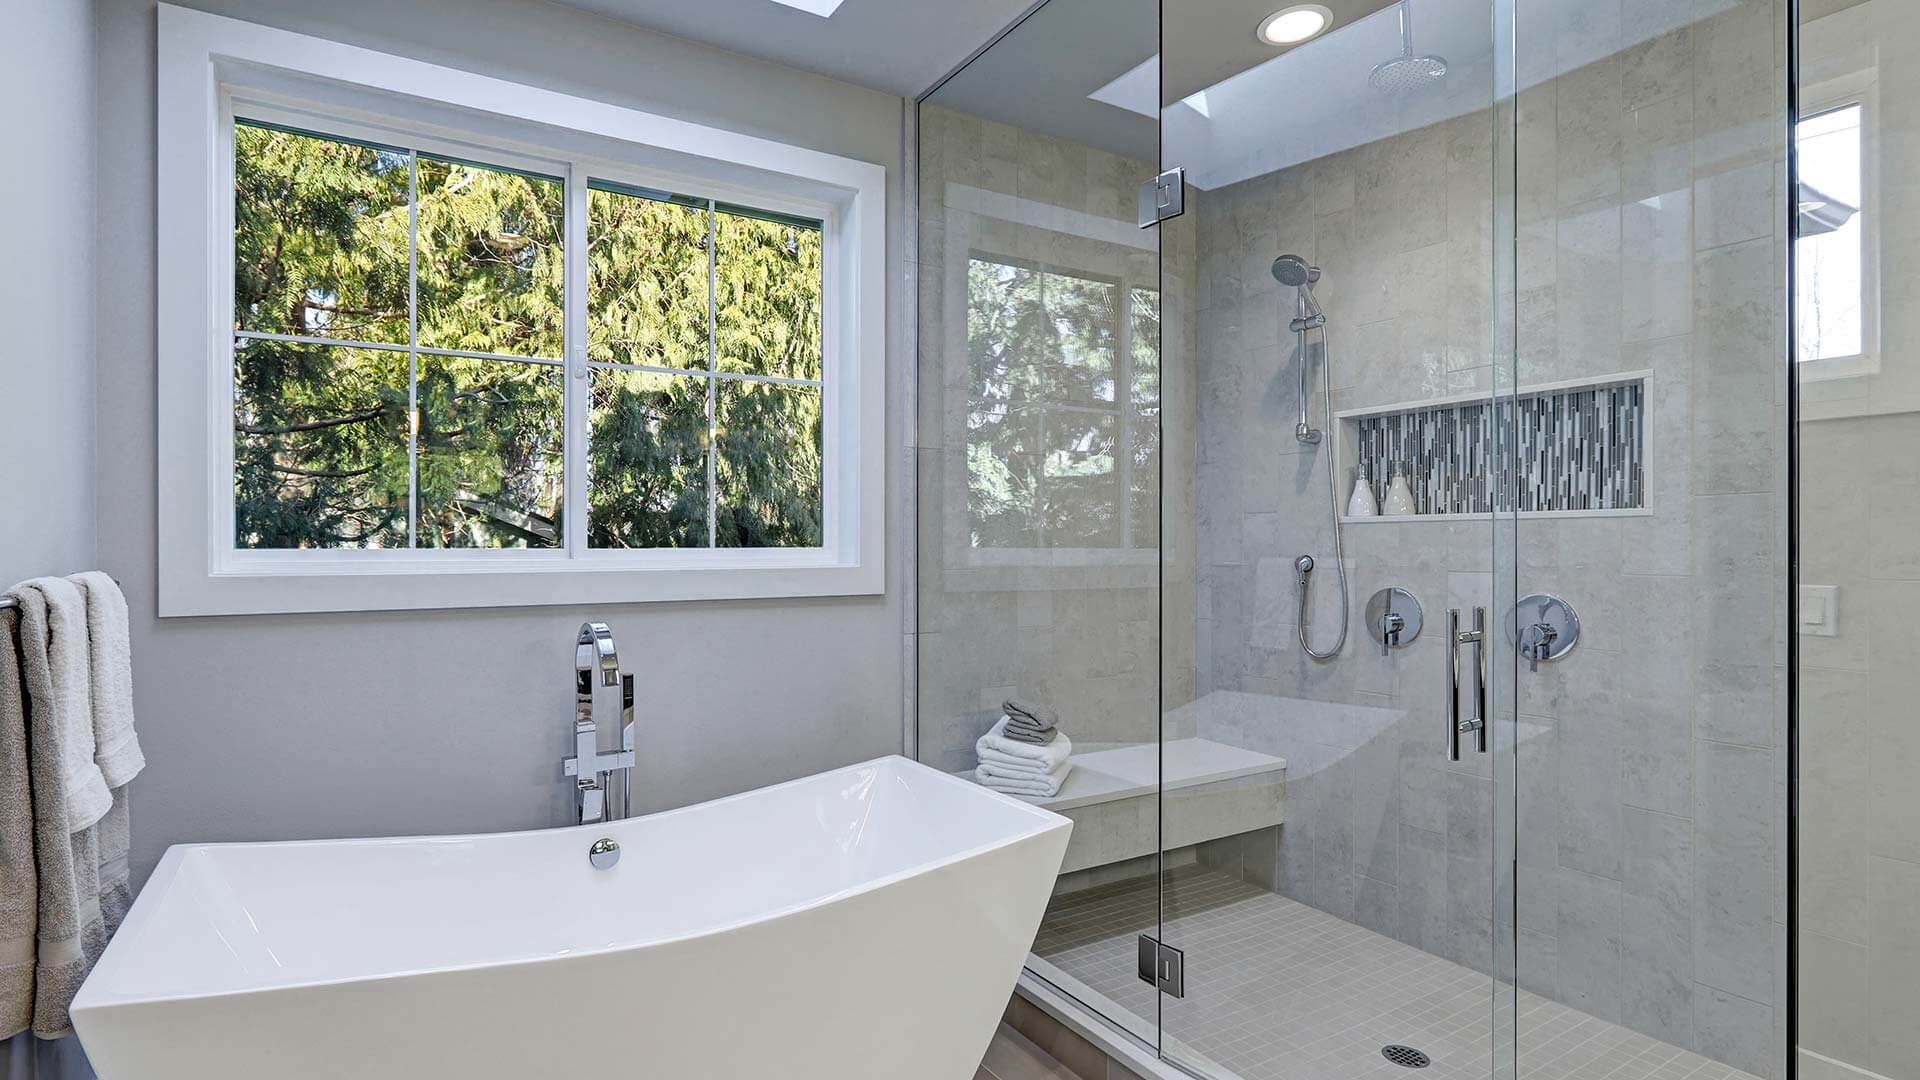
1830	254
1063	408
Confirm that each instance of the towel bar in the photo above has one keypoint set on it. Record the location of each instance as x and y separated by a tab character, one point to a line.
9	601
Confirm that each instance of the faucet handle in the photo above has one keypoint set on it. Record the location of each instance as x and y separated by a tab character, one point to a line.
1390	626
593	804
1539	644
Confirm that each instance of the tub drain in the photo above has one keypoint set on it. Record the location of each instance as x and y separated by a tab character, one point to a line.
1405	1055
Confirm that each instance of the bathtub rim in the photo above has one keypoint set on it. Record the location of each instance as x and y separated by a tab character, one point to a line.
91	998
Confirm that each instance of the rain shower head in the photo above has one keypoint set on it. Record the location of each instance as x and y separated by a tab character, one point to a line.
1407	73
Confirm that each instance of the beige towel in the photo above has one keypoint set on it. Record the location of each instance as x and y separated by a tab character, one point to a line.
53	635
110	679
74	913
18	883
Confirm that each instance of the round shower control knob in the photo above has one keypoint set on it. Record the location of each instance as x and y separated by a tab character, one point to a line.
1394	619
1542	627
604	853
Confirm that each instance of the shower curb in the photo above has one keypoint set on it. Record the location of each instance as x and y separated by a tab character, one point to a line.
1122	1051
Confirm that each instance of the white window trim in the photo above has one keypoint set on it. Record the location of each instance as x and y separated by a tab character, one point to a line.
206	60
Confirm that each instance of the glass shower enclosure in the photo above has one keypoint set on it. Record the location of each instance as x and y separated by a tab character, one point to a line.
1371	452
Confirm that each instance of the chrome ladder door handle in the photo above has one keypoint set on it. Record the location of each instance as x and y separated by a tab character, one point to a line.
1477	637
1480	679
1452	712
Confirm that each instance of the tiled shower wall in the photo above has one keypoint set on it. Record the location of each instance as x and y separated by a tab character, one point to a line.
1649	872
1077	628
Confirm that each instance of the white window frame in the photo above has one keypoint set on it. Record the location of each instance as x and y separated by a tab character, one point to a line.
208	63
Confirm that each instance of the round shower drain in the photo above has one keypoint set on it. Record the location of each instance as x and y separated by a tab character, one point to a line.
1406	1055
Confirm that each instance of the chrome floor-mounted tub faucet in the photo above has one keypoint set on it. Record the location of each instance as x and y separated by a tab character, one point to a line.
602	766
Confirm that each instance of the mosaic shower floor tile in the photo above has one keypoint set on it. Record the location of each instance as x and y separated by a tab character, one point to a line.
1277	990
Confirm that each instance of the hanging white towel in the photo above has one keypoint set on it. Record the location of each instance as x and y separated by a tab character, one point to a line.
71	916
110	679
53	629
19	885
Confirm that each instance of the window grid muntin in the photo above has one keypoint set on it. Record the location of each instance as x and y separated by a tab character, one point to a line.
713	388
413	350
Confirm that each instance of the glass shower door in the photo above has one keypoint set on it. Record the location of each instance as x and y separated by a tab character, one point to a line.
1040	550
1645	632
1331	815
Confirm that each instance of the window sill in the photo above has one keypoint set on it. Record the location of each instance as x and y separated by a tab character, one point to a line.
262	583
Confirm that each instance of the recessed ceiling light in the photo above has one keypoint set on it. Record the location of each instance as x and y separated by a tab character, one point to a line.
1291	26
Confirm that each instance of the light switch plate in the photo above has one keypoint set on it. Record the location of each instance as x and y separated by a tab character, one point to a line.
1820	610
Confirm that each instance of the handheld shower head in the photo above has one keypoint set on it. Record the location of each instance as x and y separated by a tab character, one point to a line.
1297	273
1294	272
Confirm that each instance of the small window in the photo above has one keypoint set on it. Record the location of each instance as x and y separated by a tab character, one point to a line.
1063	413
1834	298
445	341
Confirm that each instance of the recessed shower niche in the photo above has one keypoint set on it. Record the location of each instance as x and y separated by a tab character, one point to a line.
1580	449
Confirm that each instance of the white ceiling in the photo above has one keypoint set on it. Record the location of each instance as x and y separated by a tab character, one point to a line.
899	46
1267	109
1264	108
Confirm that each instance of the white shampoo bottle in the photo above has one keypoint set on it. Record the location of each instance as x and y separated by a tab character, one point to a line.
1362	503
1399	501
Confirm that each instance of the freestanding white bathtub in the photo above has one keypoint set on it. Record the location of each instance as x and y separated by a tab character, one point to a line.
865	922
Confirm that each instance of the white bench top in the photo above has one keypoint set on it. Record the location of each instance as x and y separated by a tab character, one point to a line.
1131	770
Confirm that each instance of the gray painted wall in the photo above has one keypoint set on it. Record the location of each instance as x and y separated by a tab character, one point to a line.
405	722
46	292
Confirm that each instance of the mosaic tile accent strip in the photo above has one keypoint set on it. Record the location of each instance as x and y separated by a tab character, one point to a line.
1581	449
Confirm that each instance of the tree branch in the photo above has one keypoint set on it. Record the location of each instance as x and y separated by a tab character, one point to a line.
322	474
311	425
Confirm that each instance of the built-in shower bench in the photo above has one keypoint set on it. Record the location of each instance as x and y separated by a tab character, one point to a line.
1209	790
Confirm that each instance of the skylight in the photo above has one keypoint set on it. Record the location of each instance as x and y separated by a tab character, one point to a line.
1138	91
822	8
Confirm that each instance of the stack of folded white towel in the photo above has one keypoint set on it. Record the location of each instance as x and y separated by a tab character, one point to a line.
1024	754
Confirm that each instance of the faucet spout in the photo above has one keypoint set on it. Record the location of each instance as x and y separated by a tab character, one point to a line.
596	651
